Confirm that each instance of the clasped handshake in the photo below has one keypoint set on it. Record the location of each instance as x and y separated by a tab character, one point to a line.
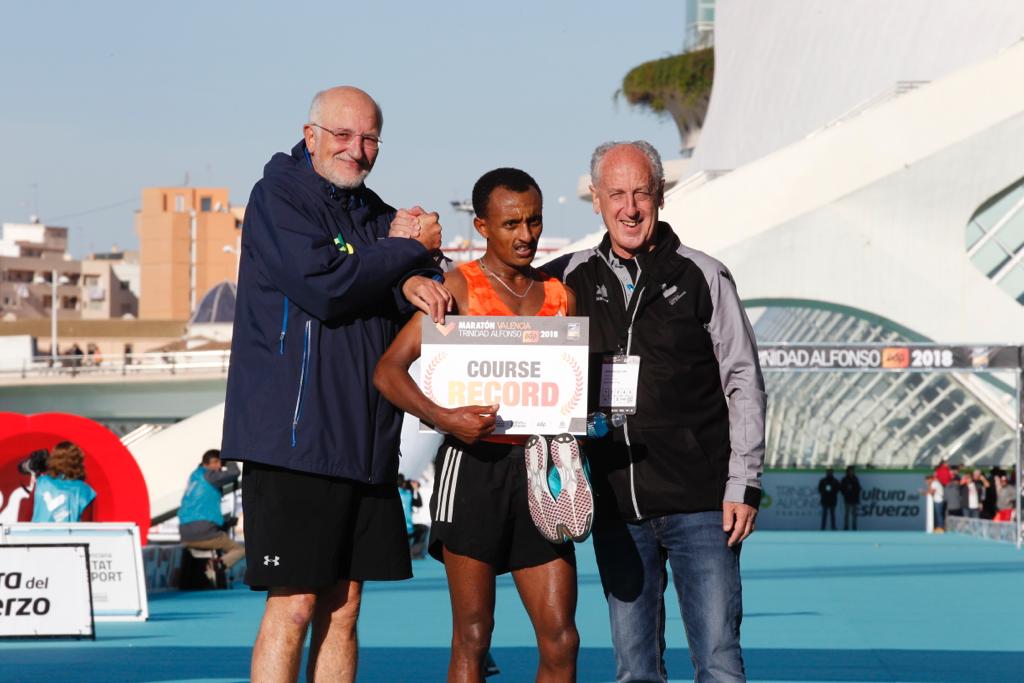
428	295
419	225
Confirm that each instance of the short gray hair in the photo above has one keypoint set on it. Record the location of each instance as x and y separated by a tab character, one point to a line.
644	147
314	107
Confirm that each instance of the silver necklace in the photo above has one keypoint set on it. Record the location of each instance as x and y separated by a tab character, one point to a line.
502	282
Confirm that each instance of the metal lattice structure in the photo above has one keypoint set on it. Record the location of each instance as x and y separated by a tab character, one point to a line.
879	419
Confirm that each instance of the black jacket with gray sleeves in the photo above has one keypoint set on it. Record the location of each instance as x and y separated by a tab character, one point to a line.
697	438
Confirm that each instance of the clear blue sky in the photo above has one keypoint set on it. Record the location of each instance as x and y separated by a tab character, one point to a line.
101	99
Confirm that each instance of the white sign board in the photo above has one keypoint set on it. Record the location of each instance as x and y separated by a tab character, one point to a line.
533	367
44	592
115	556
889	501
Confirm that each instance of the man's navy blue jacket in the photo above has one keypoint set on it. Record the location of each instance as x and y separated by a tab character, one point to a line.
311	320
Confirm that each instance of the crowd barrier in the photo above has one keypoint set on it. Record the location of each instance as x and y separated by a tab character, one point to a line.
1004	532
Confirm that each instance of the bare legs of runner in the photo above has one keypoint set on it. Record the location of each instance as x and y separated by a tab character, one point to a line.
549	594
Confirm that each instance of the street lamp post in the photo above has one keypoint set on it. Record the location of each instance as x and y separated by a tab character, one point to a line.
237	252
466	206
54	281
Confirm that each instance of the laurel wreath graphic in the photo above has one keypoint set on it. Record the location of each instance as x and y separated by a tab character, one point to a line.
577	395
428	376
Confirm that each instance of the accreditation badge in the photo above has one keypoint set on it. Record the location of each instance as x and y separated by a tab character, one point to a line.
620	377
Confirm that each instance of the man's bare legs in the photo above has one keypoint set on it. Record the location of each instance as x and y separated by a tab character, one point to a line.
471	587
549	594
334	646
278	649
288	613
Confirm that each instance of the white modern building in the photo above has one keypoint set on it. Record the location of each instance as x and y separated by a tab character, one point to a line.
861	171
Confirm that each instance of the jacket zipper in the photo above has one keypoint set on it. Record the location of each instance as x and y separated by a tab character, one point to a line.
284	328
625	424
629	343
302	382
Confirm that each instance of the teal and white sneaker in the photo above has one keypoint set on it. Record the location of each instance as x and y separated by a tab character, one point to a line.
539	494
574	499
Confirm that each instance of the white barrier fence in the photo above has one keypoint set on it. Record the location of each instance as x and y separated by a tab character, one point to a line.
1005	532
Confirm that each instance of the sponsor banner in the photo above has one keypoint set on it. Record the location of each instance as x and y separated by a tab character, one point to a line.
44	592
115	562
894	358
534	368
889	501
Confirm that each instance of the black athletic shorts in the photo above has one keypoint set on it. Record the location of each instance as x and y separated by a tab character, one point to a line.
479	508
310	531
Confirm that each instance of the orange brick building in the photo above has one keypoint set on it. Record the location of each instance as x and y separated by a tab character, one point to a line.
189	240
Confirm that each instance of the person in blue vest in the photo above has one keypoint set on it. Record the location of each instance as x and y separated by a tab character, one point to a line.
61	494
202	526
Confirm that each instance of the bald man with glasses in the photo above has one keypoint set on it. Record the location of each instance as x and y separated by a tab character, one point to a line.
328	273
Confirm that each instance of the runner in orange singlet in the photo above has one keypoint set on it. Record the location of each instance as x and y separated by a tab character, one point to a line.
482	523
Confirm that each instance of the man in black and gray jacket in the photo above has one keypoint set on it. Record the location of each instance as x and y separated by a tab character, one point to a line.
679	478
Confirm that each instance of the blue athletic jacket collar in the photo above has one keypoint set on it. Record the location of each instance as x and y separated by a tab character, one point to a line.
349	198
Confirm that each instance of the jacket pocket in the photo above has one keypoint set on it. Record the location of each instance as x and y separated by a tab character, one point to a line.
303	373
676	474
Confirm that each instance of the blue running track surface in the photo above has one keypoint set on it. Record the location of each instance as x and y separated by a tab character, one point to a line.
824	606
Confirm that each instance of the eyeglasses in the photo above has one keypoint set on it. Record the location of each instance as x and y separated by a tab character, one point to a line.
345	137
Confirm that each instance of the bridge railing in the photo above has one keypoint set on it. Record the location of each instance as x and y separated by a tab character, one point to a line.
155	363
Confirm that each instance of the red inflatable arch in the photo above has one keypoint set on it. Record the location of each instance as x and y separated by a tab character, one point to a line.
121	493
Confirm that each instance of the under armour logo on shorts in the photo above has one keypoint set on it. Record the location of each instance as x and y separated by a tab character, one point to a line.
268	560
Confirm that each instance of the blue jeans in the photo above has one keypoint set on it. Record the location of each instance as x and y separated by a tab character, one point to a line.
940	514
706	572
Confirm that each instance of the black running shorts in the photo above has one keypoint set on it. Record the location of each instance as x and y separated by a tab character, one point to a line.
479	508
310	531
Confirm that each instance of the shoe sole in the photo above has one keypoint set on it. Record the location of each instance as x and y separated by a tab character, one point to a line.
574	507
541	502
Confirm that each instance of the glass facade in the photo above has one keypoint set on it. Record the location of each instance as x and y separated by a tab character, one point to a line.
994	240
700	24
874	419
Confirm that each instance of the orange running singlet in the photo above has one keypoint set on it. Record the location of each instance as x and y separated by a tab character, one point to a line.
484	300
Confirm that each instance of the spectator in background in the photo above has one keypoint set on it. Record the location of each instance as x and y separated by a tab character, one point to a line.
420	522
988	506
93	355
943	473
975	486
828	489
850	488
76	355
936	490
1006	503
953	494
203	526
61	494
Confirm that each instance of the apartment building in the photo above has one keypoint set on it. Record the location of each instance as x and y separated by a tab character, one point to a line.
189	241
31	254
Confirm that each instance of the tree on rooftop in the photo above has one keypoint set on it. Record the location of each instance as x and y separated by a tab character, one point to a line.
679	86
